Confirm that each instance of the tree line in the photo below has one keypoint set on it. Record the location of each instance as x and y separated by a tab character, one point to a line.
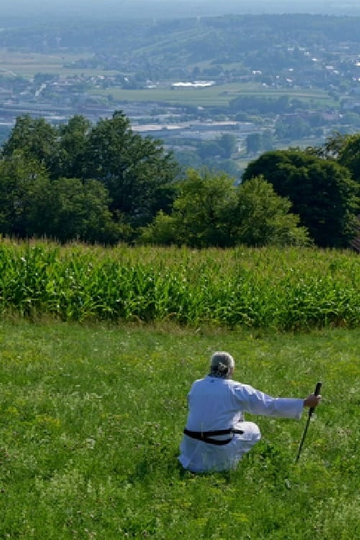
103	183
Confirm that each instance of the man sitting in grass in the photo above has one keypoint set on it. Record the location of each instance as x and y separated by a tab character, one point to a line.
216	434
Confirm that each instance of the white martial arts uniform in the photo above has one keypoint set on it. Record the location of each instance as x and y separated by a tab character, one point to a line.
218	404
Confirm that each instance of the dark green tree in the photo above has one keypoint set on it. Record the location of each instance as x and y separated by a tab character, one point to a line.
136	171
35	138
349	155
72	144
68	209
322	192
331	148
33	205
19	180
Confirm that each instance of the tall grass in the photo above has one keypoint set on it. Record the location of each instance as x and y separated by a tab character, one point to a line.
264	288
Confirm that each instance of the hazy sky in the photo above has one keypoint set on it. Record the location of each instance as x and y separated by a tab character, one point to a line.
119	8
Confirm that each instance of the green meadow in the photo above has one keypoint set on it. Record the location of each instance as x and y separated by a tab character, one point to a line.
92	407
212	95
27	64
91	419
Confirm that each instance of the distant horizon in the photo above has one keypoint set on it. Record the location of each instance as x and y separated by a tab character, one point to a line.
125	9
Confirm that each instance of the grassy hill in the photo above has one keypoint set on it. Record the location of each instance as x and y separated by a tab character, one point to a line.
91	418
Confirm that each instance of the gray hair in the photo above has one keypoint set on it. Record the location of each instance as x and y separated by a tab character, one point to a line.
220	365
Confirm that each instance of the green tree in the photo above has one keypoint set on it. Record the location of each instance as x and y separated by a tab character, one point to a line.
294	128
202	208
33	205
19	180
211	211
200	212
253	143
136	171
210	149
263	217
68	209
188	159
331	148
35	138
72	144
227	142
162	231
267	142
322	192
228	166
349	155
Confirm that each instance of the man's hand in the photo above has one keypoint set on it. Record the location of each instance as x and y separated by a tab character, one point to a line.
312	401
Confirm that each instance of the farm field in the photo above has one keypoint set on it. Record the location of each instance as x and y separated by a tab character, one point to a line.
211	96
91	417
26	64
279	289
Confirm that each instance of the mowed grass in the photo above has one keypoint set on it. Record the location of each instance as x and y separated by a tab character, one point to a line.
91	418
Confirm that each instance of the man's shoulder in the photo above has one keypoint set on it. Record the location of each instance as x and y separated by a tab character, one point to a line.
240	387
235	385
198	382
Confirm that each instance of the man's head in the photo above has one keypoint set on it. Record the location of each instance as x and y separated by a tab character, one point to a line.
222	365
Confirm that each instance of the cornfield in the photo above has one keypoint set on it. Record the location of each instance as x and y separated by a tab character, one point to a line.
283	289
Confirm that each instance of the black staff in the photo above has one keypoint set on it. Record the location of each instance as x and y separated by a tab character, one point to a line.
311	410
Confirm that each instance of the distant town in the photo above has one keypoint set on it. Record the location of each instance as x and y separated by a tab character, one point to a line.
294	90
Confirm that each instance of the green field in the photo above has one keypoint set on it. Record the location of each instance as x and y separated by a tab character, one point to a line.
92	413
91	418
212	96
23	64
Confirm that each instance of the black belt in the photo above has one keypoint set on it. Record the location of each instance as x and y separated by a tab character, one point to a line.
205	436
